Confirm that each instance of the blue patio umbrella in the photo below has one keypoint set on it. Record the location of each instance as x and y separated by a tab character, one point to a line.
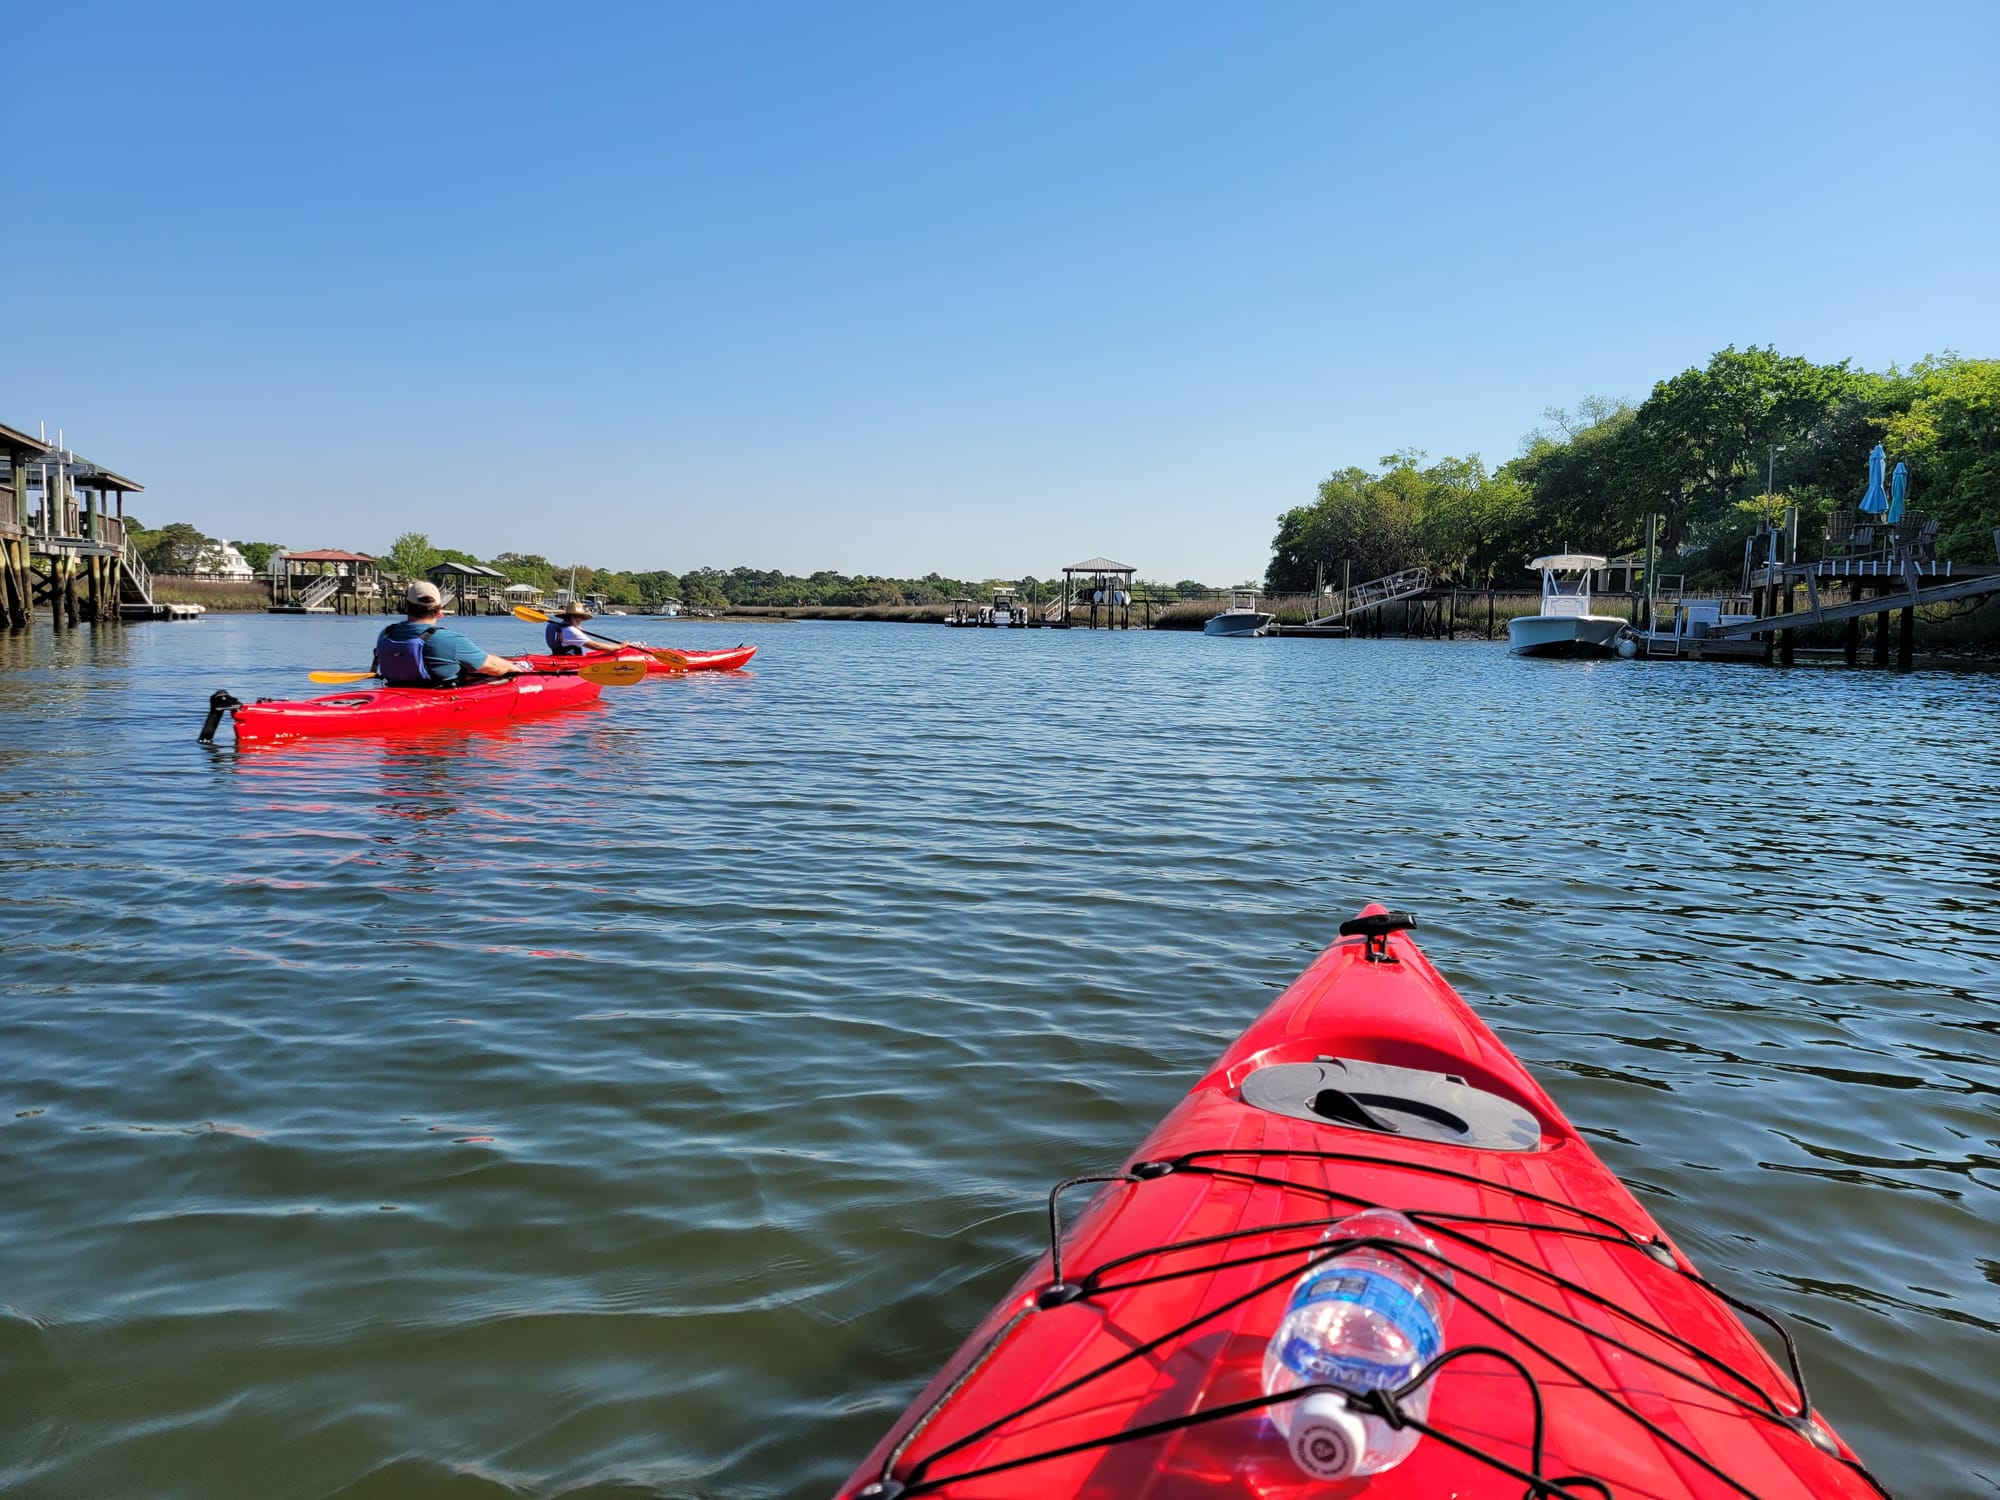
1899	487
1875	502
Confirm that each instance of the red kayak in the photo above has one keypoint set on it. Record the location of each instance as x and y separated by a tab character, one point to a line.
1132	1367
729	660
393	710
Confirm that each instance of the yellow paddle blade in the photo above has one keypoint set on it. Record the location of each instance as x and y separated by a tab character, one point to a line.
668	655
613	673
341	676
532	616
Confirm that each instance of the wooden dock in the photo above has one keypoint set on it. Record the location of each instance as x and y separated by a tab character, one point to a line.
1898	587
63	538
1786	594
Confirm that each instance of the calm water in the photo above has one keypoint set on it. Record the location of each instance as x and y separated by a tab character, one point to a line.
642	1103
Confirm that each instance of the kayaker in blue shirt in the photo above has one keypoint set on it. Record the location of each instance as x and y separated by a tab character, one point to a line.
564	635
420	652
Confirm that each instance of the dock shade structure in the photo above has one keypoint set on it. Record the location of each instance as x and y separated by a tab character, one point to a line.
75	529
467	587
313	582
1101	584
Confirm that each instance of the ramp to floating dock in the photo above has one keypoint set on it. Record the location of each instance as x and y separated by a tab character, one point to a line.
1373	595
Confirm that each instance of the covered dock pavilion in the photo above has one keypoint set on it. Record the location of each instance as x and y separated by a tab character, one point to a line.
1108	586
324	581
470	588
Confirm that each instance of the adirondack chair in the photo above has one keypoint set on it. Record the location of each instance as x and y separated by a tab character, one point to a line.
1917	535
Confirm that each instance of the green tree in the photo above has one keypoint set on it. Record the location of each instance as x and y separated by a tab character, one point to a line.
701	588
410	555
1358	517
259	554
1704	437
1471	524
528	567
176	547
1950	437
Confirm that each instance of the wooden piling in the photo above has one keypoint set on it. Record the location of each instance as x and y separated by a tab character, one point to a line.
1906	637
1882	630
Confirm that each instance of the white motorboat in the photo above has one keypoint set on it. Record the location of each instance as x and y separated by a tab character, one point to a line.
1241	618
1007	611
1565	627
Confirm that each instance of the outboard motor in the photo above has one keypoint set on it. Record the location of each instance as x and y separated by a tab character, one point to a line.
219	703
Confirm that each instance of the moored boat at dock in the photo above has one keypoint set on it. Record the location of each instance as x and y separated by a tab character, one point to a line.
1565	627
1242	617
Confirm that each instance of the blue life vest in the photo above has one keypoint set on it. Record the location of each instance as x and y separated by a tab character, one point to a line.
401	663
552	633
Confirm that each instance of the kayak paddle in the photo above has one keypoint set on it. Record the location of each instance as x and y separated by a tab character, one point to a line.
603	673
666	654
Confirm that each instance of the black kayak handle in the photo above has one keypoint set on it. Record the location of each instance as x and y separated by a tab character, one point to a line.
1376	927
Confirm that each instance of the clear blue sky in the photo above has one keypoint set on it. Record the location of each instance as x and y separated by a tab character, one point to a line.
901	287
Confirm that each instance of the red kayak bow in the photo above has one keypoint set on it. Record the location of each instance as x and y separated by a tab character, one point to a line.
1585	1357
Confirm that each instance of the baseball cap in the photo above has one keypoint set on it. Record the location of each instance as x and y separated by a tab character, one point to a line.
423	592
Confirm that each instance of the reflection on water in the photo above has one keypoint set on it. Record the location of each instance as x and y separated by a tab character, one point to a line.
644	1102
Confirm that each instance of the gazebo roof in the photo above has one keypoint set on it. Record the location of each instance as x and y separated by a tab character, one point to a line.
1100	565
463	570
520	588
327	554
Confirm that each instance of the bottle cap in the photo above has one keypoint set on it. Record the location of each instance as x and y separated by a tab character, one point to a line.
1327	1439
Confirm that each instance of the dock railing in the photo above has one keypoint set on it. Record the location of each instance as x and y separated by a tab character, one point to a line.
136	571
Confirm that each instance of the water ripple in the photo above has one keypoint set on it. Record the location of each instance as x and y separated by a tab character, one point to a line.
643	1103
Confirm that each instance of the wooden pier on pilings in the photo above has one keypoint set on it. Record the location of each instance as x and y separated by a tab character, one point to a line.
1791	595
1846	585
63	538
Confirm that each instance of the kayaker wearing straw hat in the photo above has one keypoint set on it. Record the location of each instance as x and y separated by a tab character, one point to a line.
419	652
565	633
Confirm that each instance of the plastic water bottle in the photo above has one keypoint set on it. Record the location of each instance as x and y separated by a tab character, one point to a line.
1363	1320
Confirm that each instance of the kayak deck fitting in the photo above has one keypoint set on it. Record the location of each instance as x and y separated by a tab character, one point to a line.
1585	1357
